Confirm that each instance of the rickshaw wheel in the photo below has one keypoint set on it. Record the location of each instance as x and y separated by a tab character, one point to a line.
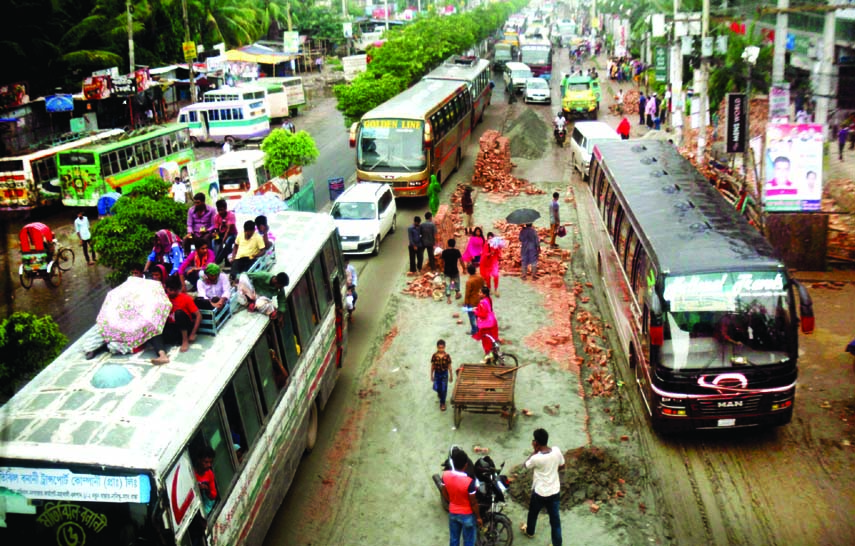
54	276
26	279
65	259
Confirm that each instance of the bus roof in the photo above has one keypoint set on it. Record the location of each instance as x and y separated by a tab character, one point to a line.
685	223
459	71
415	102
216	104
238	158
83	140
61	417
138	135
242	88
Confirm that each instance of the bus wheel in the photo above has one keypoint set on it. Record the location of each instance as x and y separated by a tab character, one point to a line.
231	140
312	430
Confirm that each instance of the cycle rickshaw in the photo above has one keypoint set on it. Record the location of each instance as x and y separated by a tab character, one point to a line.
42	256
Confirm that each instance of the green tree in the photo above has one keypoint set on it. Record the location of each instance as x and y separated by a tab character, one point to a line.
365	92
125	239
284	149
730	73
28	343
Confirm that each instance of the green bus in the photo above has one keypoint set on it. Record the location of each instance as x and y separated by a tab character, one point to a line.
85	174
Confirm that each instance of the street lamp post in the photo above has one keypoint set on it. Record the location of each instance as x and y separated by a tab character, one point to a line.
750	56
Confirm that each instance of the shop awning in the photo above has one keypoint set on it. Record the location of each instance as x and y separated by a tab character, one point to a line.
258	54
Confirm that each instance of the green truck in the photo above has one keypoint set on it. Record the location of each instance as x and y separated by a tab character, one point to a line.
581	98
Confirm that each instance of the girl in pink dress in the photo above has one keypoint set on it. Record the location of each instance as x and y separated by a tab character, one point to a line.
488	327
474	247
490	257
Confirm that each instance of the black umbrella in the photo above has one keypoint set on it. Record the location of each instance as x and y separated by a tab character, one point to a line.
523	216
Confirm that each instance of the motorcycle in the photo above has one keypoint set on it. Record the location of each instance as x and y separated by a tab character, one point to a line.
560	135
491	486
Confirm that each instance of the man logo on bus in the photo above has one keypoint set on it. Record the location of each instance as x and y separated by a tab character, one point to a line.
731	404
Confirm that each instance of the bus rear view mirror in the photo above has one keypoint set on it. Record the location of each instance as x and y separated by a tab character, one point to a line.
352	140
806	317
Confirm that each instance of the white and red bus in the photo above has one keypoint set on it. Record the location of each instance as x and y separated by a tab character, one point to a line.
102	452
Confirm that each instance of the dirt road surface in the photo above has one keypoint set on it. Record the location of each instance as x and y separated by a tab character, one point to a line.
383	435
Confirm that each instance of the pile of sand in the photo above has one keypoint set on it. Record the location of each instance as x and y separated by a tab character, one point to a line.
528	134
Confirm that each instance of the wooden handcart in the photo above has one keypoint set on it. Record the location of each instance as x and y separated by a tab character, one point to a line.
484	389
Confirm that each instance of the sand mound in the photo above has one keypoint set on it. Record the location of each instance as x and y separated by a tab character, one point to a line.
528	134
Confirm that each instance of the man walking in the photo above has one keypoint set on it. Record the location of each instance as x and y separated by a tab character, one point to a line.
459	490
642	102
554	220
841	143
472	296
529	251
427	229
81	227
546	488
414	241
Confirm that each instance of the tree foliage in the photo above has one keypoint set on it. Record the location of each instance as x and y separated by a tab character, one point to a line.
284	149
123	240
731	71
411	51
28	343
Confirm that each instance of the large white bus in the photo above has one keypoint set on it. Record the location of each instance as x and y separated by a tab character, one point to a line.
285	96
31	179
226	120
475	73
101	452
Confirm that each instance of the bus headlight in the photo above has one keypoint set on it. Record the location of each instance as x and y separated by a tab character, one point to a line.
672	407
415	183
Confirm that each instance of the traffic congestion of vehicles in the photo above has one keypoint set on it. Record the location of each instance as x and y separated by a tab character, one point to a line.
659	343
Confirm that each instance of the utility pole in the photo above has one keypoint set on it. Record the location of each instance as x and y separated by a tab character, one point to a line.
826	65
779	55
130	11
190	63
676	79
702	92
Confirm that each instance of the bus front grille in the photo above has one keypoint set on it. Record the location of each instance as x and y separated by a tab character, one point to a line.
727	406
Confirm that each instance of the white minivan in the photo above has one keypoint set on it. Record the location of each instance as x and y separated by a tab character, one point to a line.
364	214
517	74
586	134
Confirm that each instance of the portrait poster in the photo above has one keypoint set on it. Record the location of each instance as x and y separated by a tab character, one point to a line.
793	164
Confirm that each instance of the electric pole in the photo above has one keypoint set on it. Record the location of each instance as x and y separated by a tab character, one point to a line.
190	62
703	95
779	54
130	11
826	65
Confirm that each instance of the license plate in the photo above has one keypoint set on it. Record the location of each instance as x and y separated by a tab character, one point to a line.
727	422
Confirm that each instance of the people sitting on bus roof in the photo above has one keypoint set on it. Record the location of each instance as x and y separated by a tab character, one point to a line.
181	325
194	264
256	291
203	462
213	289
264	230
167	250
225	225
200	221
248	247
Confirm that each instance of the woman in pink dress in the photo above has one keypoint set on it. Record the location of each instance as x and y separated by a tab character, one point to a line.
490	257
485	319
474	247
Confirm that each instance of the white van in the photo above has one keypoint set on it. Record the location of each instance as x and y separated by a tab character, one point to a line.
586	134
517	73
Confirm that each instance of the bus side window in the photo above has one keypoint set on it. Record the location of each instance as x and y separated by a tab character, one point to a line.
271	372
305	310
213	434
322	287
239	401
289	343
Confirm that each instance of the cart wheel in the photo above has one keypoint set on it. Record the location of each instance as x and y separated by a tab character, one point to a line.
458	415
509	360
54	275
65	259
26	279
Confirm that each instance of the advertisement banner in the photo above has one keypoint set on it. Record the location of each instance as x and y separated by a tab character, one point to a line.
97	87
142	78
291	42
123	86
793	168
189	50
57	484
779	103
660	61
737	121
14	94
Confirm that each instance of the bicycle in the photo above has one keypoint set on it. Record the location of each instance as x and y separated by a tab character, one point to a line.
497	357
64	256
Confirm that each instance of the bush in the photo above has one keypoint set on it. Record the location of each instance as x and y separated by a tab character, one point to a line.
28	343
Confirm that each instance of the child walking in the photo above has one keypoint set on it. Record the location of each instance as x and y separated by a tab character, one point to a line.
441	372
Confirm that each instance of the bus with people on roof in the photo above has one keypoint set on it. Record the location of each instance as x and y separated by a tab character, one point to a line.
421	132
705	312
113	450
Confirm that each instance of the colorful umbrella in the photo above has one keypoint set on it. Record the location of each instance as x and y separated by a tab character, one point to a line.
255	205
133	312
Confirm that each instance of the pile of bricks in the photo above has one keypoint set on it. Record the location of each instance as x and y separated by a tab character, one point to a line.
493	167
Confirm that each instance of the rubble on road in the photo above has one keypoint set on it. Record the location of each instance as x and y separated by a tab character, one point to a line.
493	167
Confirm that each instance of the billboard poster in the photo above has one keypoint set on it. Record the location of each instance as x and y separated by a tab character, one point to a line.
793	164
142	79
97	87
779	103
14	94
737	119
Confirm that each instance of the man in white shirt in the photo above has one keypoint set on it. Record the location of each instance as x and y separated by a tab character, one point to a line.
179	191
81	227
546	488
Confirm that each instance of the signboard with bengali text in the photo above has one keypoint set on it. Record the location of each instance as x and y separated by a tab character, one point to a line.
58	484
737	122
793	164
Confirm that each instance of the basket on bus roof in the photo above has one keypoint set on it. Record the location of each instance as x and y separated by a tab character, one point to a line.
35	237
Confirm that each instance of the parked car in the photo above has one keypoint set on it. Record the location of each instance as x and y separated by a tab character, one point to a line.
537	90
364	214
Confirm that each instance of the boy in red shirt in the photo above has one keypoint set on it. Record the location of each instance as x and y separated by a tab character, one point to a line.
459	490
183	321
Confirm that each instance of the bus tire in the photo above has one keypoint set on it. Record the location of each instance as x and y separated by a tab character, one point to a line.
312	428
394	227
231	140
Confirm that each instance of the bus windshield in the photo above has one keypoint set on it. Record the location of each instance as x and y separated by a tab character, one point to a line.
722	320
390	145
535	55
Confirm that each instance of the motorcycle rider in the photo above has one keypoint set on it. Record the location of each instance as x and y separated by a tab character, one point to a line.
558	124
